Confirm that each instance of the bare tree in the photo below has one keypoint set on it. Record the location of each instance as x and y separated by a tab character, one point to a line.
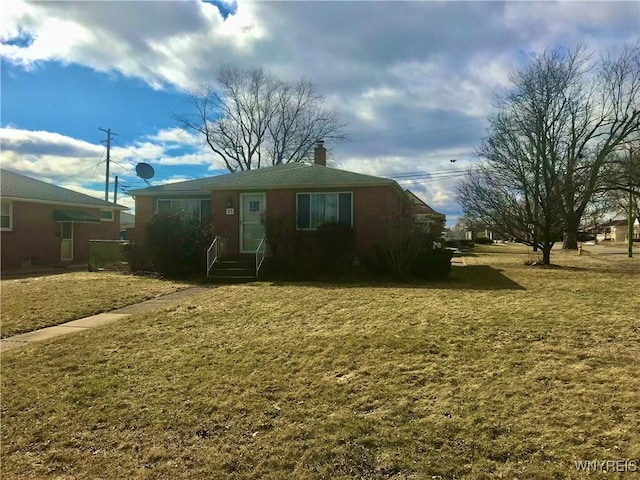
601	112
514	192
251	119
546	148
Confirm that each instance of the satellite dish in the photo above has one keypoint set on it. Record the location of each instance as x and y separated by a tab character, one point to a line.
145	171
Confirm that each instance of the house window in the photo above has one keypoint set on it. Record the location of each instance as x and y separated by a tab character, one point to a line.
6	218
315	209
254	205
106	215
199	208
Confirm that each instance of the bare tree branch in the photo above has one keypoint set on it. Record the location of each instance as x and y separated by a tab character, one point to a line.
251	119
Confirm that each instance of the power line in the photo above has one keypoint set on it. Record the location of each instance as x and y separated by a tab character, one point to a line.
123	166
95	167
434	173
419	132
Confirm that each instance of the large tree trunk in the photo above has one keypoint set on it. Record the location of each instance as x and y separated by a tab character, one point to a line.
546	254
570	236
570	240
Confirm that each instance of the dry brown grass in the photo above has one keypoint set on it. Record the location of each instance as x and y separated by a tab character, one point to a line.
505	371
37	302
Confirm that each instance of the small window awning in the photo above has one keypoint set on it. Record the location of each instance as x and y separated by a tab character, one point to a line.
73	216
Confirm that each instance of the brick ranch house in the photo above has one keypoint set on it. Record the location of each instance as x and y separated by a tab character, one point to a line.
305	195
44	225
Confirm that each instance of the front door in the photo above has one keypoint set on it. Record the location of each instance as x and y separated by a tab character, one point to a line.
251	227
66	241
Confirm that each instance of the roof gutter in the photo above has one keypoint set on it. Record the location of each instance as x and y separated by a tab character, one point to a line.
112	206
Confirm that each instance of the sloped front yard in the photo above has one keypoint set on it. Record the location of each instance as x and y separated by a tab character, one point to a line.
37	302
505	371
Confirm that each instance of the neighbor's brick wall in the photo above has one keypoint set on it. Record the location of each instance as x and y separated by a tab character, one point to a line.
35	234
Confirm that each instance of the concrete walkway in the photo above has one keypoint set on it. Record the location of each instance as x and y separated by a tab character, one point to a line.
98	320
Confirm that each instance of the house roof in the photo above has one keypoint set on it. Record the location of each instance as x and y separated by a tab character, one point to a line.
127	220
616	223
420	206
291	175
19	187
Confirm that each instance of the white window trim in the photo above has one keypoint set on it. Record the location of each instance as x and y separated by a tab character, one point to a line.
10	227
322	193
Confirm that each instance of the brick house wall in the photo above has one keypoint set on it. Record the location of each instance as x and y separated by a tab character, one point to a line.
227	225
372	208
144	212
35	239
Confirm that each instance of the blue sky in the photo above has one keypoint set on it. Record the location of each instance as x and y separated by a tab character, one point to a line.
413	81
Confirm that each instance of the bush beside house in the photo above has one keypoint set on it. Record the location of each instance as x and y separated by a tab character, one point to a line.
410	250
306	255
407	252
175	244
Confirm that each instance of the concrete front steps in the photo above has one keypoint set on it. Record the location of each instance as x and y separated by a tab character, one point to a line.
241	269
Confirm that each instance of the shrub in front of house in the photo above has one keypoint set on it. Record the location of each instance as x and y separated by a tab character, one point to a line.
483	241
307	254
136	258
176	244
409	251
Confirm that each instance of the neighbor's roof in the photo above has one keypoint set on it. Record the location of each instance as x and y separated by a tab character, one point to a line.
616	223
291	175
127	219
420	206
18	187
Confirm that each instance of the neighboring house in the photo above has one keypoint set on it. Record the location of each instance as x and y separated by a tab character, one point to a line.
127	225
305	196
47	225
616	231
477	232
423	213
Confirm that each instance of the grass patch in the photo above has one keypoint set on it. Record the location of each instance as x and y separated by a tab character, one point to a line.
37	302
260	381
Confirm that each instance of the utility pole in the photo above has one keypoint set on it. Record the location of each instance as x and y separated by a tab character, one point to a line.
115	191
108	141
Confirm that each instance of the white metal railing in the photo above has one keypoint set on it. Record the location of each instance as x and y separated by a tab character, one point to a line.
260	253
216	251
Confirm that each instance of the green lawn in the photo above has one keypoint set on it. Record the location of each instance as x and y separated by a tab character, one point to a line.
504	371
37	302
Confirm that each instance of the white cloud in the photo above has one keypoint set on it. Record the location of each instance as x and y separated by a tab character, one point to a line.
159	42
421	73
175	135
75	164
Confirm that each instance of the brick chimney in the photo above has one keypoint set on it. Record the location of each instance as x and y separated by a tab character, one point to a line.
320	154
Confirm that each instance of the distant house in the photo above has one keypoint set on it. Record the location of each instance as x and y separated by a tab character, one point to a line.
127	225
47	225
306	196
617	231
423	213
